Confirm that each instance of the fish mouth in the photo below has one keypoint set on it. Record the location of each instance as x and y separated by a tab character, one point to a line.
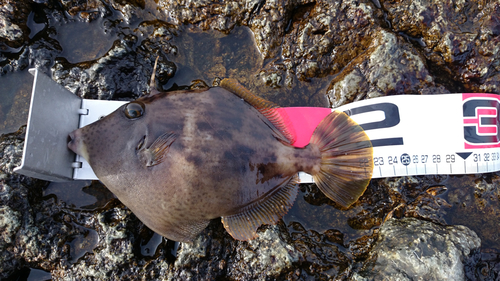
75	144
72	142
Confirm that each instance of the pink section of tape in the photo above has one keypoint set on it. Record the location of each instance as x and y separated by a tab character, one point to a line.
305	120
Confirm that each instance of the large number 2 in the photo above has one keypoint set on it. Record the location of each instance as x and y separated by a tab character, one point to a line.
391	119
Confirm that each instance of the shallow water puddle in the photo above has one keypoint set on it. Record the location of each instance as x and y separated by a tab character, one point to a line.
82	195
84	41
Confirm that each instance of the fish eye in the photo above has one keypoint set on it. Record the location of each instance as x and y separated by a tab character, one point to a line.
134	110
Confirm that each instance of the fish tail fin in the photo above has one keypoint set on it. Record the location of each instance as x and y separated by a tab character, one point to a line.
346	158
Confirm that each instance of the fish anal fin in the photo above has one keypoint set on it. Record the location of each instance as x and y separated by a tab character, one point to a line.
276	115
267	210
157	151
346	158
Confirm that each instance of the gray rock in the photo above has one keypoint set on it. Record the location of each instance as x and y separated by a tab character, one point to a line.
389	65
13	18
296	53
9	30
9	225
266	256
411	249
460	39
120	73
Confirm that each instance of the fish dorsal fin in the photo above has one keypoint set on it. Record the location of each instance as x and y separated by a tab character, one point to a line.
267	210
157	151
277	116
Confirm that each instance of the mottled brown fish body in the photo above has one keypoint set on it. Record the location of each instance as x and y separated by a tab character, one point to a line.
179	159
224	157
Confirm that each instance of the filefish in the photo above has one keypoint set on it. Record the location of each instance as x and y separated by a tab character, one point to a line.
182	158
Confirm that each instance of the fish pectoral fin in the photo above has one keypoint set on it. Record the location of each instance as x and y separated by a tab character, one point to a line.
274	114
156	153
267	210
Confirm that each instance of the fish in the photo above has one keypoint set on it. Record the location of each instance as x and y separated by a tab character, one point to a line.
179	159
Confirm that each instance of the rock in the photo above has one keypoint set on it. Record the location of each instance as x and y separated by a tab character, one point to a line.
16	223
410	249
295	53
9	225
109	252
13	17
477	205
119	74
261	258
390	65
461	39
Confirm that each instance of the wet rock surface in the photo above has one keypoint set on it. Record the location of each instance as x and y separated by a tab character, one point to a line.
409	249
307	53
13	23
458	38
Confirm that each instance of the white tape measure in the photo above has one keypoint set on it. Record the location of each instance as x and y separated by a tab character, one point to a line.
411	134
425	135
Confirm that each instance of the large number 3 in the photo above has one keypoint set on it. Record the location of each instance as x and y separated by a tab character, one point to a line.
481	123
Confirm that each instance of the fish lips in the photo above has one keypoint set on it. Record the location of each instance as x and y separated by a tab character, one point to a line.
75	143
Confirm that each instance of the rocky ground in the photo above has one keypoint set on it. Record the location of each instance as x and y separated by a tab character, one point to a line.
309	53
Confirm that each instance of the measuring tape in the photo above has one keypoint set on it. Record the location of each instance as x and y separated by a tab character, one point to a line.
410	134
430	134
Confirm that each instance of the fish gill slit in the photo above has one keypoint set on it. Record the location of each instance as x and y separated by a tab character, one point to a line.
141	143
